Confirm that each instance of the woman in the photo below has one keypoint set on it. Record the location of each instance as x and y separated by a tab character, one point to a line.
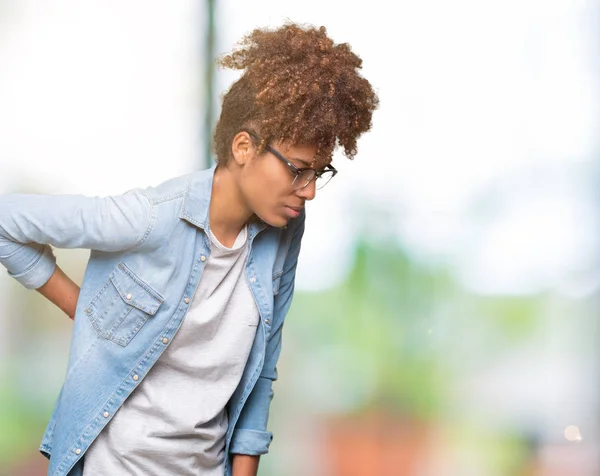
178	322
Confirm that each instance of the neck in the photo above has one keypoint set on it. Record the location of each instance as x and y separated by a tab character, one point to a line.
228	212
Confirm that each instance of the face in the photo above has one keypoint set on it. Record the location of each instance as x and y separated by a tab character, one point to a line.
265	182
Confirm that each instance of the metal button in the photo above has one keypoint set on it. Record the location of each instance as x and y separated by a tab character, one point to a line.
87	310
252	279
129	296
202	258
78	451
136	378
105	414
165	341
187	300
267	321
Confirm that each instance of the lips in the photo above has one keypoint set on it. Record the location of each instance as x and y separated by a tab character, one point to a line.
293	212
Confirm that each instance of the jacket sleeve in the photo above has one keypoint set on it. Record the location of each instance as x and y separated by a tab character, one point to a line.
30	223
251	436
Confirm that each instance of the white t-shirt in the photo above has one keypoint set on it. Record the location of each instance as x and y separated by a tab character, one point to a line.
175	421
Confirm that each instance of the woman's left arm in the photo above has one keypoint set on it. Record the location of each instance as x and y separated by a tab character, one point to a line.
251	436
245	465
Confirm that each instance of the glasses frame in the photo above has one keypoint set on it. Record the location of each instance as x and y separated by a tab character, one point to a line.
296	171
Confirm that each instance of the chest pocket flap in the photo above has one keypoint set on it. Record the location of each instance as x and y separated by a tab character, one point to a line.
134	291
122	306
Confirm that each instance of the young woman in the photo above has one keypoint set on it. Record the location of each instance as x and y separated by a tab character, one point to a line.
178	322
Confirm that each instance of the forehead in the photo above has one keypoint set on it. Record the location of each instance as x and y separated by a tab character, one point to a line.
302	155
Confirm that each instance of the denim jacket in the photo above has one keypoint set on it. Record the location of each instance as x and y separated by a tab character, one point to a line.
148	250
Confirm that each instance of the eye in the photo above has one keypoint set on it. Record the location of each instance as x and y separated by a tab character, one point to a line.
300	165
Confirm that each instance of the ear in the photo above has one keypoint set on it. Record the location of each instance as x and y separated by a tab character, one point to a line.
242	148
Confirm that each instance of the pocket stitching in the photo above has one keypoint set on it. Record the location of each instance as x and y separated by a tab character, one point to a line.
130	279
92	310
122	266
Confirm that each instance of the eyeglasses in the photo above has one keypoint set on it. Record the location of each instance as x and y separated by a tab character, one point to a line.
302	176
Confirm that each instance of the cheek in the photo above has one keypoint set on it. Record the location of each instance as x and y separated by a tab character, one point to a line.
270	181
263	189
266	192
274	177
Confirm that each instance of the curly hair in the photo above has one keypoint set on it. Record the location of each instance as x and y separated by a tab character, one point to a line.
297	86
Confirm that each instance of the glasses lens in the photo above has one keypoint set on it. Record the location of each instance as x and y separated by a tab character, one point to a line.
324	178
304	179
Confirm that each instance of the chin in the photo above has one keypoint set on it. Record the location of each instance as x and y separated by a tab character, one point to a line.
279	222
276	221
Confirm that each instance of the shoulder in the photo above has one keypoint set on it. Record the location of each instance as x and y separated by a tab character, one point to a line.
195	186
171	189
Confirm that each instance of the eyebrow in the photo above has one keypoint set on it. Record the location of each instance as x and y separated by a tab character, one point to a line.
304	162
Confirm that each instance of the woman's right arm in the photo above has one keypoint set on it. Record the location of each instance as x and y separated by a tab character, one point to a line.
30	223
62	291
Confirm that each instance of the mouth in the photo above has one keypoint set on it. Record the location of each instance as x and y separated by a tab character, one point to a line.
293	212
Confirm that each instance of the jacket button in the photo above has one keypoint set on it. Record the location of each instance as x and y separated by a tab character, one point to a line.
136	378
78	451
165	340
105	414
202	258
252	279
129	296
187	300
267	321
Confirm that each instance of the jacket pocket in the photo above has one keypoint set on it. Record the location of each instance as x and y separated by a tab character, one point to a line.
122	306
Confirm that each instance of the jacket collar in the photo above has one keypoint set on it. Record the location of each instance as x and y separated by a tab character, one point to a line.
196	202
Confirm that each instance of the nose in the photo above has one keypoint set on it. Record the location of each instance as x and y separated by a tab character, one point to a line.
308	192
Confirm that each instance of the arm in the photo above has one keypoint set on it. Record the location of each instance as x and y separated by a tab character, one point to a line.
245	465
62	291
30	223
251	436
